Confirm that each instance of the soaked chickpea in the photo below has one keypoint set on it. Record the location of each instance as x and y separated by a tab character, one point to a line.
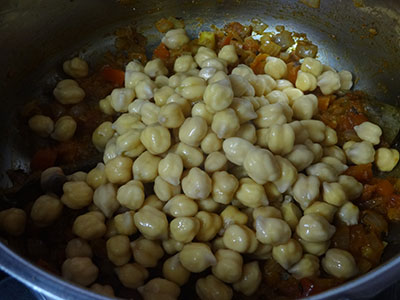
232	215
78	248
240	238
210	224
80	270
191	156
147	252
315	228
124	223
89	226
180	206
77	194
45	210
287	254
145	167
250	280
251	194
197	257
159	288
184	229
229	265
105	198
215	162
197	184
224	187
97	176
272	231
170	168
156	139
210	288
174	271
165	190
13	221
339	263
192	131
132	275
119	170
211	143
151	222
118	250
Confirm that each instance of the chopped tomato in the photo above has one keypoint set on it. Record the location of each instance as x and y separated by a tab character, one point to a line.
352	119
43	159
383	187
292	69
161	52
258	63
362	173
225	41
324	101
115	76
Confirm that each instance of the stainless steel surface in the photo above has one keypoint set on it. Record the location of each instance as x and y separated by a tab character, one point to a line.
37	35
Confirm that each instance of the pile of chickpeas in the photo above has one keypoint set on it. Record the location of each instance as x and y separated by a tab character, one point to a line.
238	170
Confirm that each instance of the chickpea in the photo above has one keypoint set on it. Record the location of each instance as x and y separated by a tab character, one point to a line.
159	288
211	143
131	194
111	229
196	257
288	254
210	288
13	221
210	224
201	110
77	176
250	280
273	195
308	266
105	290
224	187
251	194
261	166
147	252
171	246
197	184
184	229
386	159
275	67
119	170
156	139
335	163
164	190
229	265
121	98
68	91
145	167
45	210
218	96
316	149
236	149
174	271
77	194
348	214
78	248
333	193
132	275
306	190
321	208
76	67
192	88
288	175
314	228
97	176
215	162
155	68
225	123
89	226
247	131
191	156
171	115
301	157
153	201
339	263
105	198
360	153
64	129
266	212
152	223
315	248
80	270
209	205
128	144
124	223
41	125
232	215
149	113
118	250
240	238
281	139
272	231
128	121
180	206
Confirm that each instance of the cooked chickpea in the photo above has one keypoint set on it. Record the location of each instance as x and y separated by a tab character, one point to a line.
128	144
80	270
315	248
184	229
225	123
306	81
287	254
232	215
162	94
64	129
78	248
209	205
224	187
281	139
118	250
301	157
197	184
76	67
329	82
229	265
171	246
174	271
171	115
68	92
240	238
154	201
291	213
336	152
236	149
250	280
251	194
121	98
159	288
13	221
348	213
156	139
386	159
191	156
241	86
360	153
269	115
308	266
288	174
272	231
124	223
247	131
228	53
131	194
152	223
41	125
77	194
211	143
339	263
305	107
210	224
105	198
89	226
218	96
266	212
145	167
149	113
102	135
147	252
184	63
197	257
128	121
132	275
175	38
324	172
45	210
192	131
321	208
105	290
346	80
192	88
155	68
204	53
314	228
144	89
352	188
335	163
164	190
211	288
261	166
119	170
170	168
275	67
180	206
110	152
333	193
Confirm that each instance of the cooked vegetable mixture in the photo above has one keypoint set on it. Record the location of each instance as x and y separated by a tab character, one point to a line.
236	165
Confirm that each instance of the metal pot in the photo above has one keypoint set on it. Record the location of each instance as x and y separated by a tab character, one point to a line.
37	35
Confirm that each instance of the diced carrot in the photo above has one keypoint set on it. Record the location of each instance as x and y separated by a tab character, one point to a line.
115	76
292	69
383	187
258	63
43	159
362	173
161	52
225	41
251	44
323	102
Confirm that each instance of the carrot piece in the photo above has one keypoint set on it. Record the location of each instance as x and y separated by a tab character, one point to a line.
161	52
362	173
43	159
292	69
258	63
323	102
116	77
383	187
225	41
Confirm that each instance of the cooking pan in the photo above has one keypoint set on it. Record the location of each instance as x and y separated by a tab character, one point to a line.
36	36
